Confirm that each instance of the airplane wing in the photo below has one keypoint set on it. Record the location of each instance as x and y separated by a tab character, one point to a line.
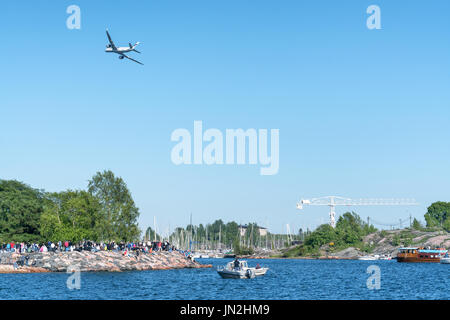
110	40
123	55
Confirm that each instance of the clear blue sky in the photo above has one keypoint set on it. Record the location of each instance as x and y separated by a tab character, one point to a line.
361	113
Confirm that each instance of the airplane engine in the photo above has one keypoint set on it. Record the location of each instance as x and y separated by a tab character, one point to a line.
121	57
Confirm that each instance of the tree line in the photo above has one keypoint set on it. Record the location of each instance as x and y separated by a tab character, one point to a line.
105	211
220	235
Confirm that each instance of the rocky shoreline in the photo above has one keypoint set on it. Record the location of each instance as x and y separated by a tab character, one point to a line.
85	261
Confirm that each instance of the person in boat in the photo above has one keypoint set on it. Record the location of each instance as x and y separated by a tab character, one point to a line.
237	264
258	266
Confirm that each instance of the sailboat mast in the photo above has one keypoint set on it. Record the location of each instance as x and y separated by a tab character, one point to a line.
190	237
220	236
154	227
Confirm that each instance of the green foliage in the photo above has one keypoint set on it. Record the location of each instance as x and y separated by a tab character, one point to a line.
416	225
404	238
437	214
107	212
71	215
396	240
151	235
446	225
231	232
324	234
226	234
241	250
365	247
119	214
20	210
301	250
349	231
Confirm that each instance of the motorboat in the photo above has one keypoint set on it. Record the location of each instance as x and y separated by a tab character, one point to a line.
241	272
369	258
200	255
445	259
259	271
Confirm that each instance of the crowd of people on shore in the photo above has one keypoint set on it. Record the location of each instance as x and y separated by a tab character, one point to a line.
91	246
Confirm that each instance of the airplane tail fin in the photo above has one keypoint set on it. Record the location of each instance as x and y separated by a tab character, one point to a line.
133	47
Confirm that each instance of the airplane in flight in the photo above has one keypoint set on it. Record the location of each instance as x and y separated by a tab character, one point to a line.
111	47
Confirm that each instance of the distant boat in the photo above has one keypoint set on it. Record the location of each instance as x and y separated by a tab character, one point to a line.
243	272
416	254
369	258
445	259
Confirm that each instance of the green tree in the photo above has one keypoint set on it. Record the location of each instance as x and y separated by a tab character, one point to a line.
241	250
446	225
349	231
119	213
437	213
20	210
324	234
232	232
151	235
417	225
70	215
252	233
201	232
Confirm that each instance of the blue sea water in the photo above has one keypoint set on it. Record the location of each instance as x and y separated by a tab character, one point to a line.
286	280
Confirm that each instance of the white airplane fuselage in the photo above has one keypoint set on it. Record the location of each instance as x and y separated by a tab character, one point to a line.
119	50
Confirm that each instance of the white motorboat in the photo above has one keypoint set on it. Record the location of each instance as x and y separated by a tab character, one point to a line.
445	259
242	272
260	271
369	258
200	255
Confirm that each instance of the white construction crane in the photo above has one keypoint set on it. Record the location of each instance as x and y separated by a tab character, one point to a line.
333	201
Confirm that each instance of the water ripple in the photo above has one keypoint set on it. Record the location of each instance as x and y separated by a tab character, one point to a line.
286	279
